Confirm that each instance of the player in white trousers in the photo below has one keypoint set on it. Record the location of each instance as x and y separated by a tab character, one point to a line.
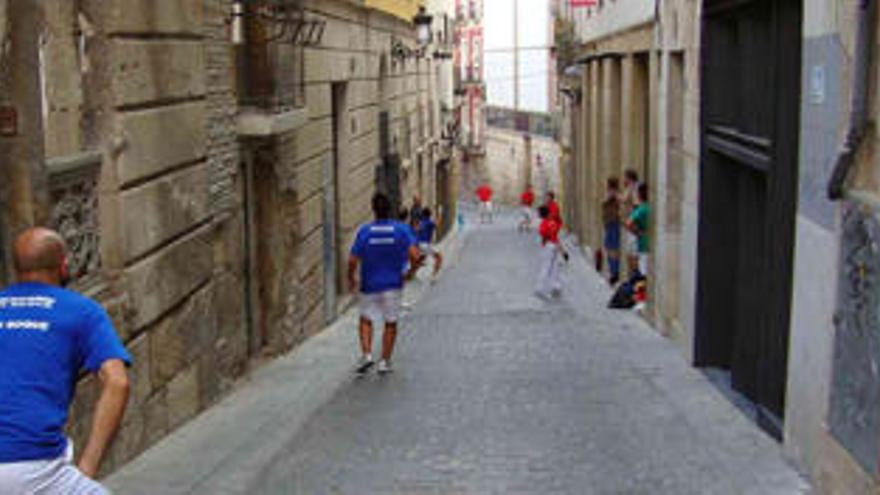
552	255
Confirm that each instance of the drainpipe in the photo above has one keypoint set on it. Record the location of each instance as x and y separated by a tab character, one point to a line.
858	122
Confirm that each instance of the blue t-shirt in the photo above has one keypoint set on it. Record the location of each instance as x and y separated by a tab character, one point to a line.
383	248
426	230
47	335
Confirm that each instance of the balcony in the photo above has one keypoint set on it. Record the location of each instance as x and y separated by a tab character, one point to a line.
270	66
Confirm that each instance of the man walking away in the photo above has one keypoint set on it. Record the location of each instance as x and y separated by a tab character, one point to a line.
381	249
484	195
549	279
427	229
611	221
47	336
638	225
526	201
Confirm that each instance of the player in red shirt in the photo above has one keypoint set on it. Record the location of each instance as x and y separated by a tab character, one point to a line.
484	194
553	207
526	200
549	280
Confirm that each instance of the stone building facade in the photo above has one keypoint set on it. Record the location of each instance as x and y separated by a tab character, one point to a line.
654	88
208	168
470	88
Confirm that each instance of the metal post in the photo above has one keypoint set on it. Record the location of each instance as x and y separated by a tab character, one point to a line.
516	54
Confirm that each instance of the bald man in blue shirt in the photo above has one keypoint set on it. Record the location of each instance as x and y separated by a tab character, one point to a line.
47	336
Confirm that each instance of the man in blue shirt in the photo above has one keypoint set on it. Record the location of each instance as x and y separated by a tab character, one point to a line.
425	236
47	336
381	250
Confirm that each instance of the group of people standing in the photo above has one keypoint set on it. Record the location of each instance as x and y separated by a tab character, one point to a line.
625	216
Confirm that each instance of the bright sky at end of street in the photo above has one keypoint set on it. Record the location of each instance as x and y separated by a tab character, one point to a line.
534	31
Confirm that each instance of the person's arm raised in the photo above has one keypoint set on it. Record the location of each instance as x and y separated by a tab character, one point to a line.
109	410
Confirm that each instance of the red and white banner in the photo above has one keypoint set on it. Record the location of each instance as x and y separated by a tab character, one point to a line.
583	3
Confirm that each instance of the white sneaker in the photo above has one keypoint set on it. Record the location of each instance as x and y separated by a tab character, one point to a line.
364	364
384	367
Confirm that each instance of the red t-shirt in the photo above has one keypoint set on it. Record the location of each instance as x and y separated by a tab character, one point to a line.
549	231
484	193
553	210
527	198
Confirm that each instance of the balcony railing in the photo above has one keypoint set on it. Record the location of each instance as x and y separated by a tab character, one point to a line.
271	59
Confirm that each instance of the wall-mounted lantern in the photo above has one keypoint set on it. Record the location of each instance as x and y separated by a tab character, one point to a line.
423	23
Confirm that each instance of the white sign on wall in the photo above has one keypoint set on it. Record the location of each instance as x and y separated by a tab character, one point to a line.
817	85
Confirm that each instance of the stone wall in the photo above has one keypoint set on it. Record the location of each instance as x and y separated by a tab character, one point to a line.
820	281
618	124
511	162
159	80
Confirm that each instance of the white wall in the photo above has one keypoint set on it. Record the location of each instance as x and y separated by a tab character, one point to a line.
534	21
614	17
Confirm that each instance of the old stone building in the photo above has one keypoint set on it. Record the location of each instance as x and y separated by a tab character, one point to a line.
208	162
758	274
470	89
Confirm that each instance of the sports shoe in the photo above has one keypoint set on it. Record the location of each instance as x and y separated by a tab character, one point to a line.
364	364
384	367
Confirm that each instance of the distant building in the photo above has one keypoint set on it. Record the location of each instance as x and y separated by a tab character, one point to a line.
470	86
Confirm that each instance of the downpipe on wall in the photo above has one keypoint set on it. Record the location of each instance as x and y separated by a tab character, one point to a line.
858	121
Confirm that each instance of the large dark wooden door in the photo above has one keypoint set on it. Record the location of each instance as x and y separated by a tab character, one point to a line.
750	120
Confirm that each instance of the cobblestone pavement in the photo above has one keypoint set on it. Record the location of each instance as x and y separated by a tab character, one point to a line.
496	392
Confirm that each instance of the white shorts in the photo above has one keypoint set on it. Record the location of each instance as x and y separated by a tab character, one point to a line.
427	249
486	206
631	242
383	306
48	477
526	212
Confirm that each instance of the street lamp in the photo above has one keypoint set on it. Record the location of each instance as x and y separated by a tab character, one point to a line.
423	26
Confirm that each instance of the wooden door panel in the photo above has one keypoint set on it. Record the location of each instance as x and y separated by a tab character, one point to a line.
751	93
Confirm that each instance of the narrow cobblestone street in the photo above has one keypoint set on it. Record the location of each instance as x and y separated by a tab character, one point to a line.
496	391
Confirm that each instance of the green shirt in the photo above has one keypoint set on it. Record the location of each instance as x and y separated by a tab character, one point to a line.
639	218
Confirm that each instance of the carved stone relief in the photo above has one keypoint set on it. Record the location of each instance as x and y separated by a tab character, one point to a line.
73	192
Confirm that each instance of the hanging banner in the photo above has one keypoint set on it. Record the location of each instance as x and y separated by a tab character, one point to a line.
583	3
